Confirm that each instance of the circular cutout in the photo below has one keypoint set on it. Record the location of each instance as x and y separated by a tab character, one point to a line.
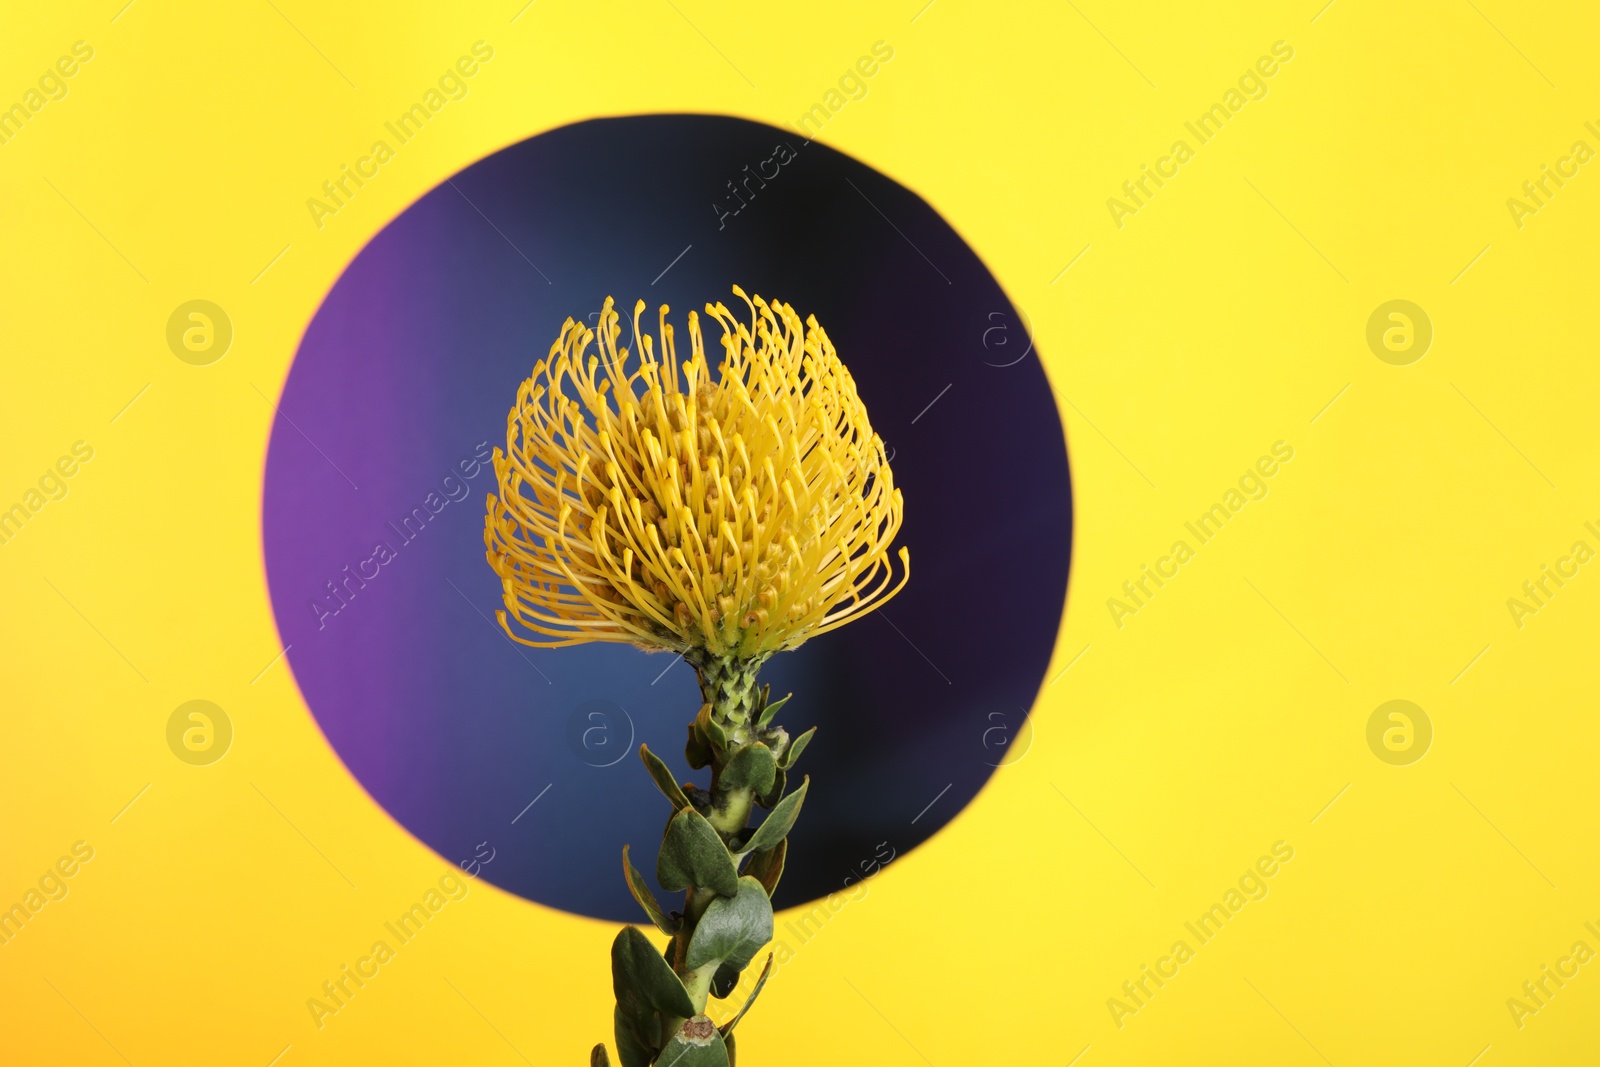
1399	733
1399	332
199	332
401	386
199	732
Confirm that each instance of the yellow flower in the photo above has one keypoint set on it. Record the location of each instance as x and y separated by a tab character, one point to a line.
726	515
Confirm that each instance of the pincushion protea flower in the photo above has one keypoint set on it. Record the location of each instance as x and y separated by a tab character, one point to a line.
725	516
739	513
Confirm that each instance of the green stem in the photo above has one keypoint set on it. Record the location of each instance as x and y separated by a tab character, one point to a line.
730	811
728	684
698	983
728	687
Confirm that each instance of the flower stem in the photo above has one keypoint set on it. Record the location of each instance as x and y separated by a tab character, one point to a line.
749	759
730	811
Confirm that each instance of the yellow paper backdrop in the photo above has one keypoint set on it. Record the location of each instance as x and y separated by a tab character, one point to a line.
1173	747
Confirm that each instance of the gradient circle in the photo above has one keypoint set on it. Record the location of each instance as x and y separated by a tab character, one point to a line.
376	476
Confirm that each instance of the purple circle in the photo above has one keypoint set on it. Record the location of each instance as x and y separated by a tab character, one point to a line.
376	476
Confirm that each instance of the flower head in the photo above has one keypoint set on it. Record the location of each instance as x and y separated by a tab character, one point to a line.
729	514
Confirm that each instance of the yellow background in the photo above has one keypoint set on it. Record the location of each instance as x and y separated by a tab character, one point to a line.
1223	717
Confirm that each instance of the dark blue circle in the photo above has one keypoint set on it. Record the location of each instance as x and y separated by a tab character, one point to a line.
375	482
600	733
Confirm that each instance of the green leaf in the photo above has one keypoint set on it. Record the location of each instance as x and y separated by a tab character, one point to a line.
643	981
752	767
770	710
715	735
697	1043
733	929
767	867
779	782
598	1057
797	746
777	825
664	779
647	899
727	1039
693	855
727	1027
697	752
631	1048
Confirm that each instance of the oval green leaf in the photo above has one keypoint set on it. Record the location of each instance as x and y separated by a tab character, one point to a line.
733	929
752	767
693	855
797	746
647	900
664	780
770	710
642	981
777	825
631	1048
